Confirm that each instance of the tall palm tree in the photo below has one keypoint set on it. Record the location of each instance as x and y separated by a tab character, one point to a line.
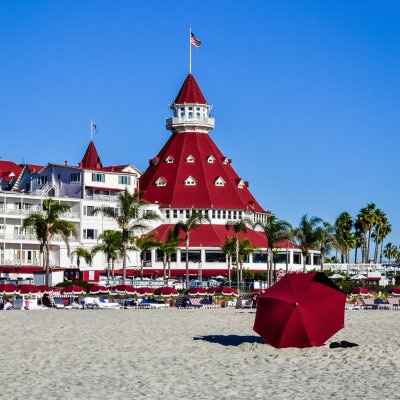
275	230
168	248
245	249
82	252
326	241
386	229
306	235
229	248
49	224
343	235
195	218
112	246
238	226
359	239
365	220
144	244
131	218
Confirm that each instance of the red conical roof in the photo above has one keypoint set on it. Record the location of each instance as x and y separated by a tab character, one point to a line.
217	184
190	92
91	158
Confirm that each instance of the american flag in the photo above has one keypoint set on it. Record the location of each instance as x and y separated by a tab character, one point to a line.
194	41
94	126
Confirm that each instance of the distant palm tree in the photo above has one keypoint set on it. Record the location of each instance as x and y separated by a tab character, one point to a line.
385	230
229	248
82	252
112	246
344	236
49	224
275	230
195	218
307	235
326	240
238	226
366	218
143	244
168	248
245	249
390	251
131	217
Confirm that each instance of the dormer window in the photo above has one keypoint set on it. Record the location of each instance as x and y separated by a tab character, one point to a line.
219	182
190	159
161	181
190	181
225	160
240	184
210	159
169	160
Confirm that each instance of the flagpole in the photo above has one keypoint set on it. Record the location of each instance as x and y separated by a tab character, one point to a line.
190	49
91	130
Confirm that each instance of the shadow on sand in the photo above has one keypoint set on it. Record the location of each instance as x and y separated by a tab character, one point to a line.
230	340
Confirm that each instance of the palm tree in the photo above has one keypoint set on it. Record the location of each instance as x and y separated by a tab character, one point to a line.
386	229
359	239
245	249
390	251
131	218
229	248
326	240
143	244
307	235
49	224
195	218
168	248
343	234
366	221
380	220
275	230
112	246
82	252
238	226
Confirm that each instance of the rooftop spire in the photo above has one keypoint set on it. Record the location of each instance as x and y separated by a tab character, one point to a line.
190	92
91	158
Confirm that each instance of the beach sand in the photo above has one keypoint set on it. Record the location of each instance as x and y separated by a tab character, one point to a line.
189	354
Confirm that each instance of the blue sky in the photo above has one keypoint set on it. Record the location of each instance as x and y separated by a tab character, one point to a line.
305	94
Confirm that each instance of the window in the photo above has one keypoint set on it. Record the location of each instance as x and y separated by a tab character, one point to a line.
190	181
240	184
187	213
296	258
260	257
194	256
161	181
190	159
169	160
96	177
182	111
219	214
229	214
280	258
124	180
175	213
213	214
167	213
210	159
90	234
224	214
219	182
316	259
235	215
75	177
42	180
160	256
215	256
88	210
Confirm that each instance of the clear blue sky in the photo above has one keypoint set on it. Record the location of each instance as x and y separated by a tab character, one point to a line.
305	93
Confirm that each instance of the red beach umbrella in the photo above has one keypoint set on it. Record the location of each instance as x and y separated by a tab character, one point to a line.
144	291
74	290
228	291
45	289
8	289
125	289
396	292
197	292
28	289
166	291
214	290
301	310
360	291
99	289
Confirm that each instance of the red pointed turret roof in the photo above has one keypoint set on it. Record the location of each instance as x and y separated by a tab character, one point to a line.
190	92
208	191
9	170
91	159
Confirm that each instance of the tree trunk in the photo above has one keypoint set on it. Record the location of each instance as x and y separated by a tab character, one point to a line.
355	255
169	265
377	239
108	269
113	270
141	264
287	260
229	270
381	252
304	263
47	277
187	241
368	246
321	262
237	261
124	264
164	262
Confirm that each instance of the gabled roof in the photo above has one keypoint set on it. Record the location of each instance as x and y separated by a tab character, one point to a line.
190	92
205	194
9	170
91	159
34	167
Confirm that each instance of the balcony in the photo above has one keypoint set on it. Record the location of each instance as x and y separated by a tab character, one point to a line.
101	197
24	212
206	122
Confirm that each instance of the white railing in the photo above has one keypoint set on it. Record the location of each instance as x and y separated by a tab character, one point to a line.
207	121
354	268
35	263
102	197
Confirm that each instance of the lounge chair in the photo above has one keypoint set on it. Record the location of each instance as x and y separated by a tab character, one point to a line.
58	303
147	303
105	304
392	304
369	304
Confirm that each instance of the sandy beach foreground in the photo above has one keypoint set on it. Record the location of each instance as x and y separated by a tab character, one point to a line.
188	354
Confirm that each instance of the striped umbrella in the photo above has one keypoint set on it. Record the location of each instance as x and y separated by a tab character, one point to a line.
125	289
214	290
8	289
197	292
228	291
28	289
144	291
74	290
45	289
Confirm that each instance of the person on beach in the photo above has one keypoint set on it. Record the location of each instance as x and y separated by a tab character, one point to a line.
254	301
342	343
8	305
